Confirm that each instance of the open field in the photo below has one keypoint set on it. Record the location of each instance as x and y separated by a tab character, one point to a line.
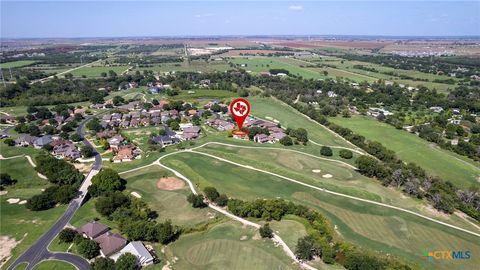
16	64
367	225
445	164
272	110
195	65
96	71
54	265
228	246
261	64
171	205
203	94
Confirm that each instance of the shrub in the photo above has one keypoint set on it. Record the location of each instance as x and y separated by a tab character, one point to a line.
88	248
266	231
67	235
346	154
326	151
196	200
287	141
211	193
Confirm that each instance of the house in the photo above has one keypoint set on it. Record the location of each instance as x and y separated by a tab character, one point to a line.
275	137
124	154
185	125
42	141
68	151
136	248
154	90
165	140
115	142
80	111
105	134
110	243
261	138
436	109
240	135
191	133
25	140
192	112
92	229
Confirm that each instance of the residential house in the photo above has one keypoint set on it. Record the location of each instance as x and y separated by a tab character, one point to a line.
125	153
25	140
67	151
115	142
261	138
42	141
165	140
92	229
136	248
191	133
110	243
277	136
185	125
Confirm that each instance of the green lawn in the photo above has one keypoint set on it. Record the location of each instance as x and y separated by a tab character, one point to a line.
54	265
203	94
96	71
228	246
378	228
16	64
410	148
272	110
171	205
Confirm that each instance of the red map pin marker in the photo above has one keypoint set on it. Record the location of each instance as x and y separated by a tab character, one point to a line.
240	109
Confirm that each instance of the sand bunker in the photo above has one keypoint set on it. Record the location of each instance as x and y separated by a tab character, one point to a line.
170	183
22	202
316	171
6	246
327	175
13	200
135	194
3	192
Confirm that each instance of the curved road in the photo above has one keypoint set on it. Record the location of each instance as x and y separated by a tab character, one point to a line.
39	250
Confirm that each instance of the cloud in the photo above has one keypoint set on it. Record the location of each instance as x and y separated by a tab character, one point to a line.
295	8
203	15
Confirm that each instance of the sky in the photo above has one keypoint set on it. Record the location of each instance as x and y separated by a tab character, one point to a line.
40	19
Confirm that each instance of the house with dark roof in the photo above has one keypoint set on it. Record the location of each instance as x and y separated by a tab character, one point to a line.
25	140
110	243
92	229
165	140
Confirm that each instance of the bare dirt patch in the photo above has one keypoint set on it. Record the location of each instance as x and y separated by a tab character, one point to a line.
170	183
6	246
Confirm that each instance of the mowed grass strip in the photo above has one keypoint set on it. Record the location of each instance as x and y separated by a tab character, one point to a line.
228	246
272	109
442	163
247	184
96	71
17	64
260	64
54	265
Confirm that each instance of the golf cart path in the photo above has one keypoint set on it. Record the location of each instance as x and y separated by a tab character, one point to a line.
326	190
29	161
276	238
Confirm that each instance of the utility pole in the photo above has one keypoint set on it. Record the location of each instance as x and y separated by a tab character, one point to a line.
3	79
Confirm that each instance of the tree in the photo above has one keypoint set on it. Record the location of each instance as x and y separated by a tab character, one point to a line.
75	137
102	263
211	193
94	125
196	200
346	154
174	125
118	100
287	141
9	142
126	261
326	151
87	151
67	235
6	180
107	205
266	231
222	200
88	248
305	249
40	202
325	73
106	181
301	134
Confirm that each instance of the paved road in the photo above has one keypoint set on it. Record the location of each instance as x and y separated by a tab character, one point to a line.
39	250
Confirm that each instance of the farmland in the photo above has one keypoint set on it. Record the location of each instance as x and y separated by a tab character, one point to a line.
409	147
